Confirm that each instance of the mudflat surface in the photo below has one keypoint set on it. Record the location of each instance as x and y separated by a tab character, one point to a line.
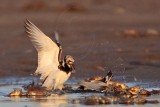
65	100
91	31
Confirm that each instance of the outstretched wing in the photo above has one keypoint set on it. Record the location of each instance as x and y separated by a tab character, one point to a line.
47	50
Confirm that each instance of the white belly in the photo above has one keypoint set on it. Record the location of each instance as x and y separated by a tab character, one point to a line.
56	80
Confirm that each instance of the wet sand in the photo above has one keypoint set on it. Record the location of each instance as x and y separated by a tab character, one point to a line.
65	100
91	31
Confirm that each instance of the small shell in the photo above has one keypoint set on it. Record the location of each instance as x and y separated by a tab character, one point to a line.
123	86
134	90
118	90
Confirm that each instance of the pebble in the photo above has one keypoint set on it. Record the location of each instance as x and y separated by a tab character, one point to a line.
131	33
126	101
155	91
76	101
96	100
36	91
152	101
144	92
152	32
16	92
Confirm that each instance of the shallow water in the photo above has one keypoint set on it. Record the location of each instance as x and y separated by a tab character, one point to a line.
7	85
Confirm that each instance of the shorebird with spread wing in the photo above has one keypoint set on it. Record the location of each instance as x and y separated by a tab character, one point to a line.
53	70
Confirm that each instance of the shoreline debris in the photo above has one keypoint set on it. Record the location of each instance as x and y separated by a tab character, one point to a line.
112	92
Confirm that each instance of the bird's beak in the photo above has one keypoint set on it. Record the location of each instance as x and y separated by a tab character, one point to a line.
73	69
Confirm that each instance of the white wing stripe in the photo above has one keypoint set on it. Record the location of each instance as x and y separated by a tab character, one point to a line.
46	48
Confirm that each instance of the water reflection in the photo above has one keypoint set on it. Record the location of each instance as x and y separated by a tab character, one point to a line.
63	100
54	101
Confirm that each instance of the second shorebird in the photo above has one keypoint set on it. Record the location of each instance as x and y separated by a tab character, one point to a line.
54	71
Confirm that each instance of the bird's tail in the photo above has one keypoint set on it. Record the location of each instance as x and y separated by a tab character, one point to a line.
108	77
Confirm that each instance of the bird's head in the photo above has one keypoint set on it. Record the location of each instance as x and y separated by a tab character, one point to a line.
69	60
